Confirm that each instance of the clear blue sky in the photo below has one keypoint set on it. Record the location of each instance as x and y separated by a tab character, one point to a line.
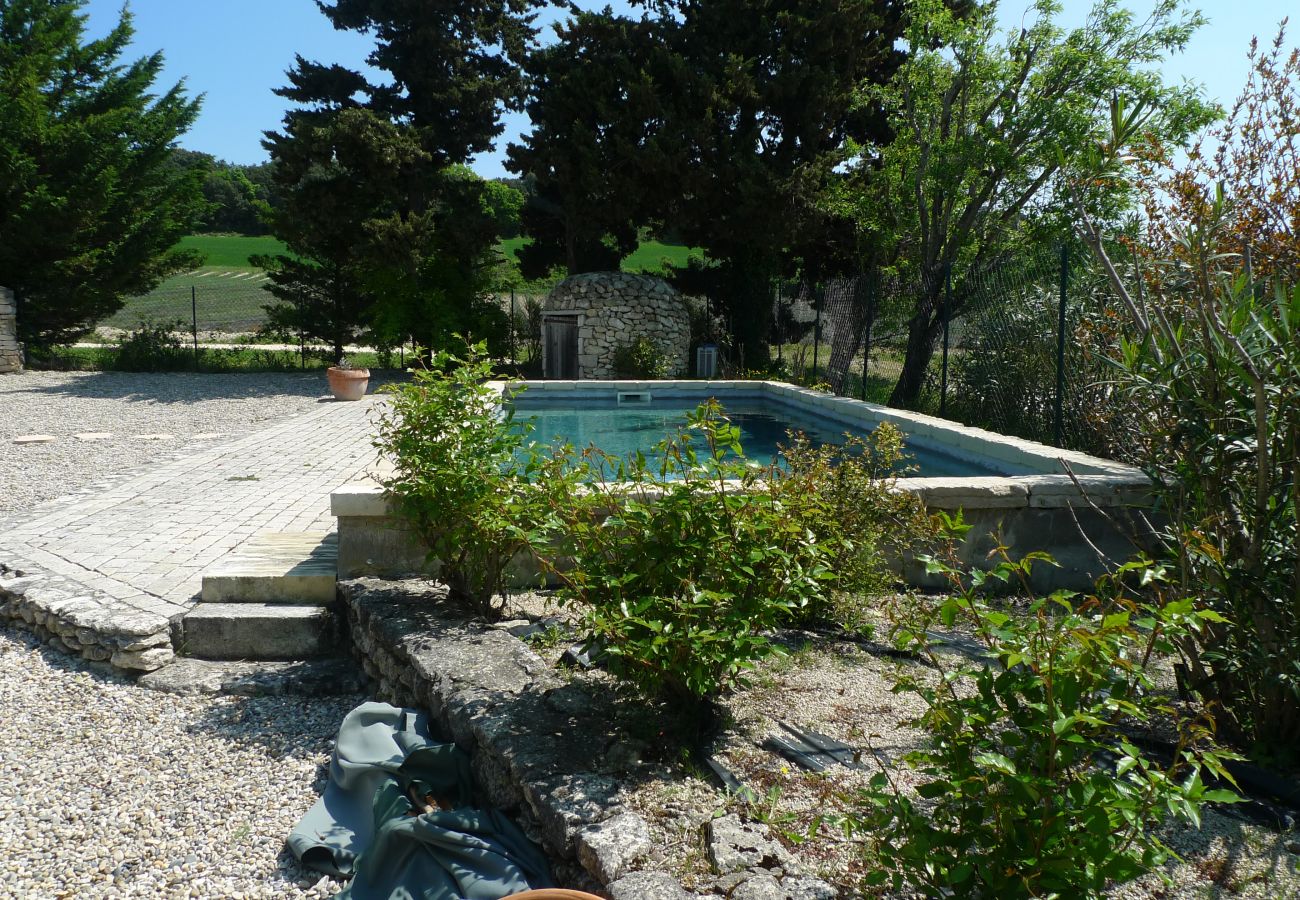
236	51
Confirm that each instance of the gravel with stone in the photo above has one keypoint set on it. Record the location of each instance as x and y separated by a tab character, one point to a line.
109	790
841	687
143	418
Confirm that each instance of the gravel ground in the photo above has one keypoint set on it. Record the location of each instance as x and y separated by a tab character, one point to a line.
194	410
109	790
840	689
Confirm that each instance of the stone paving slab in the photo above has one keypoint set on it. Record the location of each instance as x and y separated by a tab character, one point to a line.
136	548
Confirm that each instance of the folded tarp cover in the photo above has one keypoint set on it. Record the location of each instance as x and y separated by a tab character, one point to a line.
363	826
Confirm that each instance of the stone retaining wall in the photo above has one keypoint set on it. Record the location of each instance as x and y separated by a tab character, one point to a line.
11	352
547	749
72	620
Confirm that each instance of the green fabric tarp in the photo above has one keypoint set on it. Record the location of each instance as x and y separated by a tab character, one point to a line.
361	826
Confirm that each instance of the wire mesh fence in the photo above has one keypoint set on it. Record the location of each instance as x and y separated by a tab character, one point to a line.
997	345
210	303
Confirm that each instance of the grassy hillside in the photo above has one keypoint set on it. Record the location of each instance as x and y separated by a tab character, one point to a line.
649	257
228	294
231	251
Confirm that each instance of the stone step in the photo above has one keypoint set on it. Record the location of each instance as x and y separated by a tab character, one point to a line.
240	631
276	567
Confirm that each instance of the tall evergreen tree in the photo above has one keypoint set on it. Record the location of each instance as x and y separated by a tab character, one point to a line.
599	148
91	207
421	229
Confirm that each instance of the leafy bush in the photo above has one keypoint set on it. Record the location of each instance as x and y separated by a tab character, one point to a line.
1030	784
152	347
641	359
458	480
1210	359
681	570
844	495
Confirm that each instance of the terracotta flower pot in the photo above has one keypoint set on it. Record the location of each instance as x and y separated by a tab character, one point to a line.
552	894
348	384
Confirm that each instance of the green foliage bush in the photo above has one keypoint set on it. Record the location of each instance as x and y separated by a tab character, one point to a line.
1030	786
681	570
152	347
844	495
1209	364
458	481
642	358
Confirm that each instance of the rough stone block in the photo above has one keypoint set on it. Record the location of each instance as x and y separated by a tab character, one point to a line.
608	849
646	886
257	631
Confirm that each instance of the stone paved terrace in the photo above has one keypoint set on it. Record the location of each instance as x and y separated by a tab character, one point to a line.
121	560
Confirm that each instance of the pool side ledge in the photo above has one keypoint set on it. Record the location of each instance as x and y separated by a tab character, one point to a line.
1102	515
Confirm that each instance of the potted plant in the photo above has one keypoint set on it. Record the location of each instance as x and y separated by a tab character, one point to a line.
347	382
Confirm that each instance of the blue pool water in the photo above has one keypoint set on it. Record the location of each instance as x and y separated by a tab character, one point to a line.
623	430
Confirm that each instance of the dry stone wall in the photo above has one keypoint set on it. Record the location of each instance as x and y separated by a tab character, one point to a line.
617	308
11	352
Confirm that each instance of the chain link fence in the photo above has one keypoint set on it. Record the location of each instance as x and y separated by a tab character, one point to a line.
1007	342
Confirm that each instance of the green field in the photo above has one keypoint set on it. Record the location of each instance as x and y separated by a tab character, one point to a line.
231	250
649	257
228	294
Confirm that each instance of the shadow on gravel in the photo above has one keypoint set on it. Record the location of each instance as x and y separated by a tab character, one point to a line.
283	726
56	659
177	387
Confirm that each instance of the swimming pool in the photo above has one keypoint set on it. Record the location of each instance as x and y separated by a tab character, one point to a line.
622	429
1082	509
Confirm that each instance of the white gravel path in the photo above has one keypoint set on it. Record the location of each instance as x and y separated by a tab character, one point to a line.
108	790
180	411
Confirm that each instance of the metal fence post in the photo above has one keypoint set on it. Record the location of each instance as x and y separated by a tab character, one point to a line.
512	327
194	323
947	303
866	345
1058	413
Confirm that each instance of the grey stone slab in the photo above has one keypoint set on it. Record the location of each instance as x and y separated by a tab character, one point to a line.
276	568
257	631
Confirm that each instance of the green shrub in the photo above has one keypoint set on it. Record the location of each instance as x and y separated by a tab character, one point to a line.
153	347
1029	785
844	495
1209	365
680	571
457	478
641	359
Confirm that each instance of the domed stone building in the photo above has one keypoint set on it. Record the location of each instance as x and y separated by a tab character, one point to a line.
587	318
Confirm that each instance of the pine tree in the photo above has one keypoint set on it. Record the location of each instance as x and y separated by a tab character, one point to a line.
377	205
91	206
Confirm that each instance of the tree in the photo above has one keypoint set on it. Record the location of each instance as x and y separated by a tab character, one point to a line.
599	98
376	200
767	113
983	126
90	208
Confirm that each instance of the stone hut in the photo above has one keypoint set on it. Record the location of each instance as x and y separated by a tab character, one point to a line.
11	352
588	317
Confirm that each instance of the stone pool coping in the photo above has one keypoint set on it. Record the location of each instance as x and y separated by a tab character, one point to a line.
1107	483
1086	512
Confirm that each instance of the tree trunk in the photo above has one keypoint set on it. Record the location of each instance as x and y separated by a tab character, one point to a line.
750	308
923	332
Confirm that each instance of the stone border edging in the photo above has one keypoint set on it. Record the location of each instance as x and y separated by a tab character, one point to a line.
545	747
82	621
